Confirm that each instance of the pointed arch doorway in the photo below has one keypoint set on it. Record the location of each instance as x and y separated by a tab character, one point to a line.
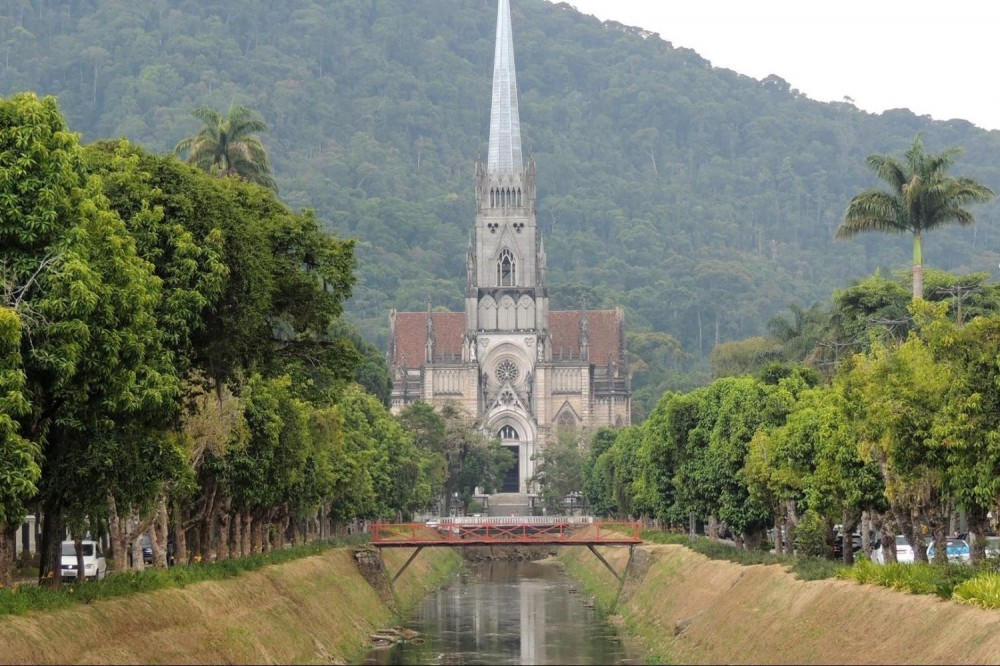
510	439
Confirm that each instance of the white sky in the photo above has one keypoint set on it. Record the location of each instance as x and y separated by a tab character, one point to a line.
934	58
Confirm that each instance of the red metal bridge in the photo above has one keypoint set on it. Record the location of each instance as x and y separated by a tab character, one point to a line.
507	531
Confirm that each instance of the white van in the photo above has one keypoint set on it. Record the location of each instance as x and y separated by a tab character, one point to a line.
95	567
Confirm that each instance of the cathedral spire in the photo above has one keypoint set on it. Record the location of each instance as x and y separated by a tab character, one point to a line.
505	124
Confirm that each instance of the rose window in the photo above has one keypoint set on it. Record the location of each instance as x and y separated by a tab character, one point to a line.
507	397
507	371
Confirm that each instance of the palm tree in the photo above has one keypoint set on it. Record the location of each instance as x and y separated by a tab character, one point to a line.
227	146
923	197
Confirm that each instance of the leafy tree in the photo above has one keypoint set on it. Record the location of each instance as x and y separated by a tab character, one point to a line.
895	397
559	470
227	145
968	427
800	331
597	482
743	357
922	197
19	456
458	452
94	354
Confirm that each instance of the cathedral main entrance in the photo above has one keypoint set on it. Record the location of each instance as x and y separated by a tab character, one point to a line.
512	480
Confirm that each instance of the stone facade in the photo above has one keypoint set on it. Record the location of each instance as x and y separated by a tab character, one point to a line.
522	370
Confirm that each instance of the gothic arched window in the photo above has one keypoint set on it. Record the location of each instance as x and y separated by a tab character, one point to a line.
506	269
508	432
566	422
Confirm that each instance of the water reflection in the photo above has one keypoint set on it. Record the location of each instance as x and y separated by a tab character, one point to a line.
508	613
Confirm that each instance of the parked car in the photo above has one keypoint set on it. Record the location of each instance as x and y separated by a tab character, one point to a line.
957	551
904	552
95	567
992	546
147	550
838	545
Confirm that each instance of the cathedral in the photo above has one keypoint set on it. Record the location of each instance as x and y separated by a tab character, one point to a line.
524	371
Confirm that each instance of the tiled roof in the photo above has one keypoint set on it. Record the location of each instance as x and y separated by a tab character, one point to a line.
602	324
449	331
411	335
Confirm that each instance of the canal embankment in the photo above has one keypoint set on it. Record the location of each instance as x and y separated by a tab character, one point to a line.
318	609
686	608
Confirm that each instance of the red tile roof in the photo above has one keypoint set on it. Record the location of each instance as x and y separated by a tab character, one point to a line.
449	331
411	335
604	339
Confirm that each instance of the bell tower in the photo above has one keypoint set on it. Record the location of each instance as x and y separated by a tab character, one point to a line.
506	266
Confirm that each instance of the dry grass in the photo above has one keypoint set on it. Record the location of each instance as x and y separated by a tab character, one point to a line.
689	609
313	610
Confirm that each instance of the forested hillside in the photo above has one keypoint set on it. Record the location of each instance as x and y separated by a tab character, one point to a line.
702	200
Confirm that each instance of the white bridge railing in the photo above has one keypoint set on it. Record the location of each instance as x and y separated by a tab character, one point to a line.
510	520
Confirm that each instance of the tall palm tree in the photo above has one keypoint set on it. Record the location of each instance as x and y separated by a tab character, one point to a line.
228	145
923	197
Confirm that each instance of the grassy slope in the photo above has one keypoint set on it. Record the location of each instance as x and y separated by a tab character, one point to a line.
689	609
317	609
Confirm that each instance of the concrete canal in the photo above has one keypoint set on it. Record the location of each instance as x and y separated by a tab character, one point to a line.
509	612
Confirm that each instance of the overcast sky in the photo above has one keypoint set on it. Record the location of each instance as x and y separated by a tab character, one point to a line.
940	59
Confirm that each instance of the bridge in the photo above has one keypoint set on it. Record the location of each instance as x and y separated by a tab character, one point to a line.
507	531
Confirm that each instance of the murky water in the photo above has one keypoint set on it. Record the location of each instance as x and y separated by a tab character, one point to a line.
509	613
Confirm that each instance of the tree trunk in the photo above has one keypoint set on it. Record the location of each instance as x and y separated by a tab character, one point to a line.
246	545
713	528
978	520
940	534
255	534
866	534
137	562
119	535
235	534
224	517
81	574
180	537
779	528
848	522
159	534
889	531
8	537
918	267
50	550
207	521
792	514
910	530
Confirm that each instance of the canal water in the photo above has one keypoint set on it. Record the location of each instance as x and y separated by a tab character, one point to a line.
505	612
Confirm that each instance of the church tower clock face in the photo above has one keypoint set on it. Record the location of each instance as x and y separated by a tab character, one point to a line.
507	372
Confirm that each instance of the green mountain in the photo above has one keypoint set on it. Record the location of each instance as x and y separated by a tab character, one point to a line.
701	200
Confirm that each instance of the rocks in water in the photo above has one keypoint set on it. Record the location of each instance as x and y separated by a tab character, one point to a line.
392	635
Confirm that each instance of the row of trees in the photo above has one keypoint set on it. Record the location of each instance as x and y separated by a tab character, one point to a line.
903	430
906	433
173	360
708	203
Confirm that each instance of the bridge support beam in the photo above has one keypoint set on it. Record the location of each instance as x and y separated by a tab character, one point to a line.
399	573
619	577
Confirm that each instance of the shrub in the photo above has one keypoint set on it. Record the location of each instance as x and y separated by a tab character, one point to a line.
983	590
913	578
810	535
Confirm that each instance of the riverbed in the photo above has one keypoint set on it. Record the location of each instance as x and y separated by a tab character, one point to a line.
505	612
